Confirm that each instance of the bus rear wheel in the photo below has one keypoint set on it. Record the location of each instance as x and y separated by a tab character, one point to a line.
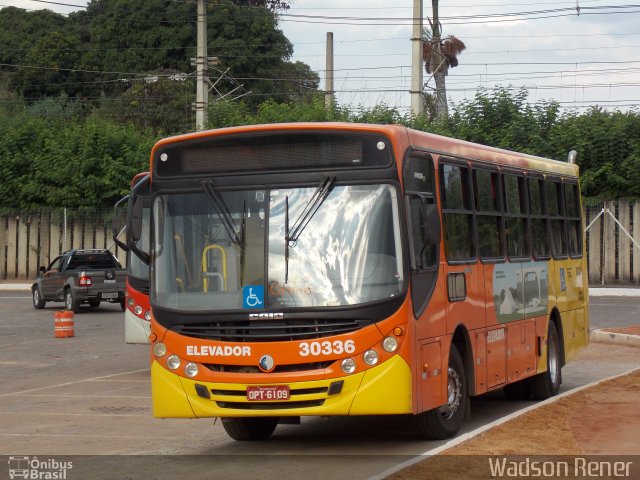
547	384
250	429
445	421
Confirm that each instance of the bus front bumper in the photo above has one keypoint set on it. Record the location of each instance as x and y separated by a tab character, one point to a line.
381	390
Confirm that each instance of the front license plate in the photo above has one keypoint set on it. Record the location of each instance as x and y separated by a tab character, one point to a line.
109	295
267	393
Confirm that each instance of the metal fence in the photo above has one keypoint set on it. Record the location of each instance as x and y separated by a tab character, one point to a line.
31	239
613	243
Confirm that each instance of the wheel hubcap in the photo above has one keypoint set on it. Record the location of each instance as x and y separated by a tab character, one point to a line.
553	362
454	392
36	296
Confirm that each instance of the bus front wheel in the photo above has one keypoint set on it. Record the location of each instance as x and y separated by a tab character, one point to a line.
444	422
250	429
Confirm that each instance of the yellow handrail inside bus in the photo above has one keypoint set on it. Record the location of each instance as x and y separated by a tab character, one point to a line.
223	256
180	249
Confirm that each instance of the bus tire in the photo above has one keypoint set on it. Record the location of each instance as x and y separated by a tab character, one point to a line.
123	305
445	421
38	300
547	384
70	302
250	429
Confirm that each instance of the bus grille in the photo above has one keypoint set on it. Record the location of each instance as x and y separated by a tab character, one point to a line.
300	367
269	330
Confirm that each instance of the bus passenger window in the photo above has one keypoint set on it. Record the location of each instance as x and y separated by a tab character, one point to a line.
488	214
539	222
515	216
574	227
457	213
555	210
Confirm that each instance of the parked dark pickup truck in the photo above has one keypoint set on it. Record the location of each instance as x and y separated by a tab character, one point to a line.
80	276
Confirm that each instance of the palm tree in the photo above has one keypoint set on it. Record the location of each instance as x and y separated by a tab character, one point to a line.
440	54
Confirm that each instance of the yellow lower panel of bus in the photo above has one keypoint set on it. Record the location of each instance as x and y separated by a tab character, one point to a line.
385	389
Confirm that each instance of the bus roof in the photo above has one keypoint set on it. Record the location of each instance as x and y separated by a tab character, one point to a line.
437	144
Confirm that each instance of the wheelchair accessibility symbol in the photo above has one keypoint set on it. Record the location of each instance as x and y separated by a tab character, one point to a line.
253	296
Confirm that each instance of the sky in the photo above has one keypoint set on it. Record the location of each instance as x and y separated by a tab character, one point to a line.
542	45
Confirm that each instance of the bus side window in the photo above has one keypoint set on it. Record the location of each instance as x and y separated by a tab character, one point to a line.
459	238
516	216
555	210
574	227
488	214
539	222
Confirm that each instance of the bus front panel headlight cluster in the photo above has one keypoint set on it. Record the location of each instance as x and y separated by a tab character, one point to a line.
159	350
390	344
173	361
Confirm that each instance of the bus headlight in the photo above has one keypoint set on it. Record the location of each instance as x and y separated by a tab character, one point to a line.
348	366
173	361
130	302
370	357
138	310
147	316
390	344
191	369
159	349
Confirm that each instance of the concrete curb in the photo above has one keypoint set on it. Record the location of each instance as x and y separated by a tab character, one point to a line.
474	433
614	292
22	287
601	336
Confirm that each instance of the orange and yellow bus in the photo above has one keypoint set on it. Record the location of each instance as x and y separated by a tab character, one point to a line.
137	313
344	269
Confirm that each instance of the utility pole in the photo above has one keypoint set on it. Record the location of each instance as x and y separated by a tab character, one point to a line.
417	86
328	95
201	60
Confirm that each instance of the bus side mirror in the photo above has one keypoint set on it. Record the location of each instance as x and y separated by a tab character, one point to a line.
119	223
136	220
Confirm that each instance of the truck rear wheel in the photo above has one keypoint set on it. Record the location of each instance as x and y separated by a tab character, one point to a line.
250	429
70	302
38	300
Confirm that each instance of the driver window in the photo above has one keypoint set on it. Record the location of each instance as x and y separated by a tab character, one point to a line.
55	265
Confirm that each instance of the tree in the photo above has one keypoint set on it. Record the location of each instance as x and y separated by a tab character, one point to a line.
116	39
440	54
50	68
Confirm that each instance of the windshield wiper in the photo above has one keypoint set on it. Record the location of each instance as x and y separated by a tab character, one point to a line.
224	214
229	224
315	202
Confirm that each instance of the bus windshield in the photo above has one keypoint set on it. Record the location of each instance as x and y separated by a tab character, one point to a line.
348	253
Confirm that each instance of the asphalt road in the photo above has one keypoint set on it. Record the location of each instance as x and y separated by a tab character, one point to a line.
90	395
